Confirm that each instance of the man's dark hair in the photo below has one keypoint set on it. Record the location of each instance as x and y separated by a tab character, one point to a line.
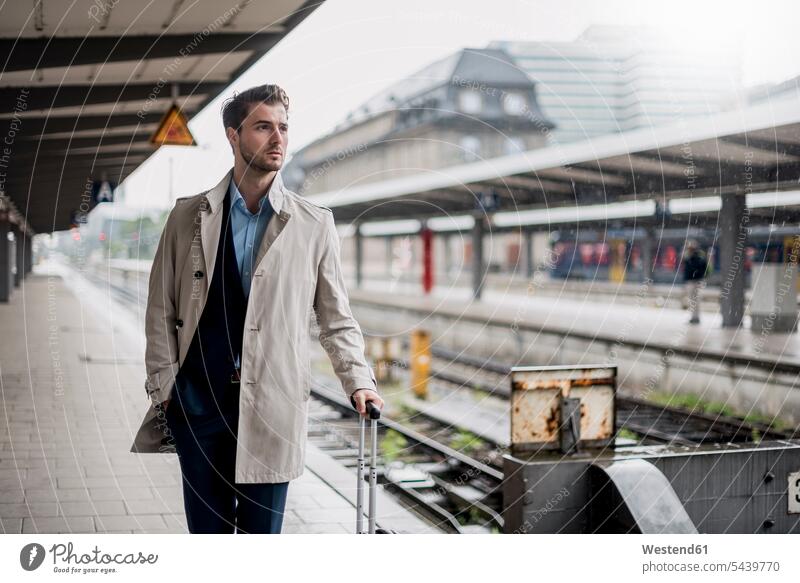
236	108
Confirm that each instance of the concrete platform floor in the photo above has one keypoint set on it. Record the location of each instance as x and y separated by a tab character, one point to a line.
72	397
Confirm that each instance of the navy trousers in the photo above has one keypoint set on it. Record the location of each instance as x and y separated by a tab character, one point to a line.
213	502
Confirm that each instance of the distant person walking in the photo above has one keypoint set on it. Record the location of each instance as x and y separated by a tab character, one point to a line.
695	265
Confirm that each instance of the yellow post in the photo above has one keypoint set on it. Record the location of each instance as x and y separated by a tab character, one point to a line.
616	263
791	255
420	362
388	358
384	361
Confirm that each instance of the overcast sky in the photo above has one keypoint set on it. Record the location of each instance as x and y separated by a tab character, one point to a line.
348	50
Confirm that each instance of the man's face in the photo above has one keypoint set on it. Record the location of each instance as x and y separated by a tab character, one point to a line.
262	140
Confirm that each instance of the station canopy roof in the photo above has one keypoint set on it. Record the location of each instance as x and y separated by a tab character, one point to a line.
752	150
84	84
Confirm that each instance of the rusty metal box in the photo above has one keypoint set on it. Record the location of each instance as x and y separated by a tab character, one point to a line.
536	393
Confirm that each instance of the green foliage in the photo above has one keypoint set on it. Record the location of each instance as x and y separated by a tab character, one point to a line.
393	445
407	412
774	422
627	434
692	403
466	441
695	403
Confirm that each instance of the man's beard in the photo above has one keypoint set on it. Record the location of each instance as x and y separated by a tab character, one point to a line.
254	164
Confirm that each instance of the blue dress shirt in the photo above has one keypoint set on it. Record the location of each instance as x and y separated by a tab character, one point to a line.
247	229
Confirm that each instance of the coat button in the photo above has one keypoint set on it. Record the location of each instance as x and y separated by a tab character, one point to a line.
178	323
198	274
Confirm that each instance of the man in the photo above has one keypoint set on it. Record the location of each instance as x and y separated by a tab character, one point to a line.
694	272
238	273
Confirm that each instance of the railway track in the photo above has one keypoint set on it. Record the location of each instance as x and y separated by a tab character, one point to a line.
461	493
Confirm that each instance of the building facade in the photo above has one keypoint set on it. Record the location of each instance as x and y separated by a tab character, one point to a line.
471	105
613	79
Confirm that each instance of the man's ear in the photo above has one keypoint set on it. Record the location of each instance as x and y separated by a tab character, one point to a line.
232	136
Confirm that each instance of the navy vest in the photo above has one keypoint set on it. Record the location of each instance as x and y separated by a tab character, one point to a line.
205	373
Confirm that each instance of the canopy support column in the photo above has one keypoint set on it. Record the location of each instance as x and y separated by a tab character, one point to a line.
732	241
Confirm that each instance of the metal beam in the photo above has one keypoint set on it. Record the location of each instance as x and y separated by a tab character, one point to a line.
68	187
126	149
7	260
634	164
23	54
529	266
135	138
56	182
580	174
478	230
24	162
765	145
46	97
33	127
529	183
71	181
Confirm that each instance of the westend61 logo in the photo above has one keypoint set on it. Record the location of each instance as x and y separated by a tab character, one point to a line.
32	556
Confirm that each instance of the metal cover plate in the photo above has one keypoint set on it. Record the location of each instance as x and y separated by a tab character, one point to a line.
535	396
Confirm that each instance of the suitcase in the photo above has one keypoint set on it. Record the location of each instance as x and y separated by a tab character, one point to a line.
374	414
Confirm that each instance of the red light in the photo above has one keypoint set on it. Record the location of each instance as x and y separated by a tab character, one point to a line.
102	236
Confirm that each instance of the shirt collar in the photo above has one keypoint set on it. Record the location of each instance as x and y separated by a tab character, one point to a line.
236	196
237	200
276	194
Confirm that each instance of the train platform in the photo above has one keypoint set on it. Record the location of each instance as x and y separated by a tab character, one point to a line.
606	319
72	392
541	284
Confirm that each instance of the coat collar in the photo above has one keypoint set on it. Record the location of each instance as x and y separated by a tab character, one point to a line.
276	194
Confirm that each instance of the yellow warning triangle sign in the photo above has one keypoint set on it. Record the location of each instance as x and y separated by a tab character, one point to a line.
173	129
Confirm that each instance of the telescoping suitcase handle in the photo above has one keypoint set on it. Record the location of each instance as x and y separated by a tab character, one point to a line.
374	414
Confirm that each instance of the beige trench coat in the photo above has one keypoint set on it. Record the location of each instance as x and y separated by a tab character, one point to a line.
297	274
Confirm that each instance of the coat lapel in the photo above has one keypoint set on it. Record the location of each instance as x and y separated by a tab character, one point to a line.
211	221
274	228
211	224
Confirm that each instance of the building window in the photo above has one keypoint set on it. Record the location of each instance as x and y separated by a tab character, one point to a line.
469	101
514	145
470	148
514	103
